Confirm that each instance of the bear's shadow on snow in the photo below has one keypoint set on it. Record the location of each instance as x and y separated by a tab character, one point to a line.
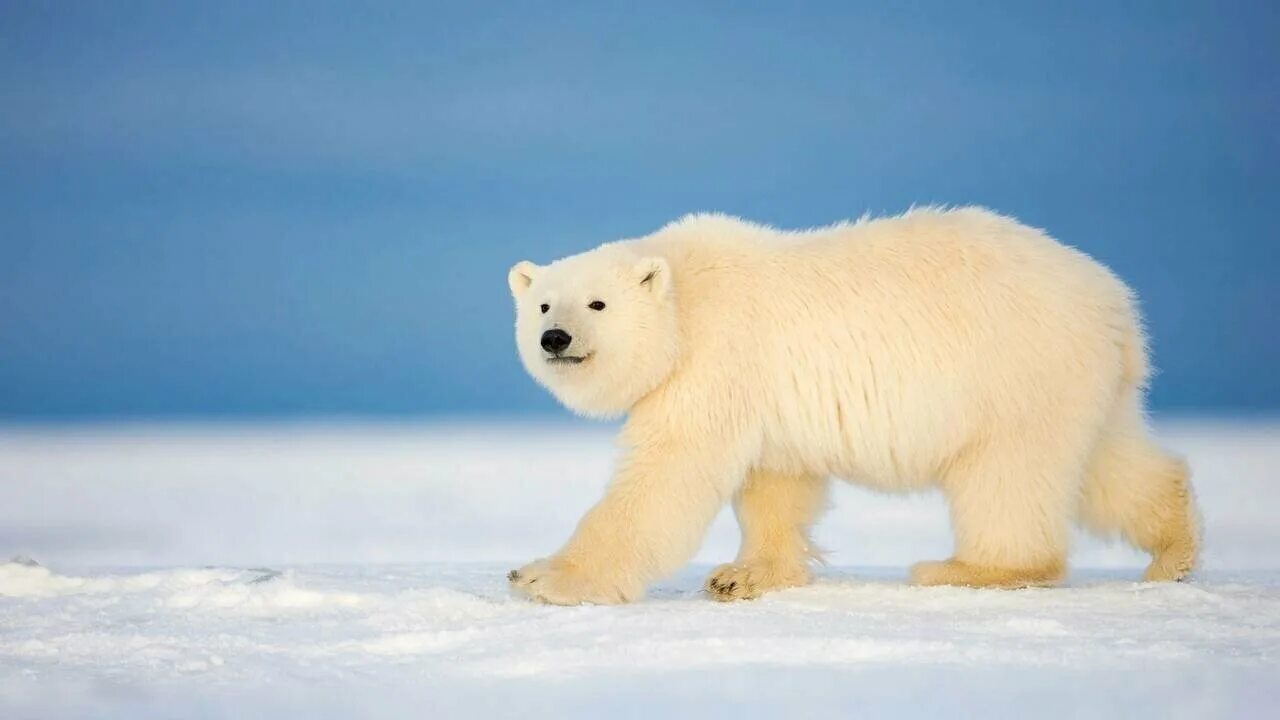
872	584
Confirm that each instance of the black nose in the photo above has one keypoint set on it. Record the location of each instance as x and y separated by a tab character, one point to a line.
554	341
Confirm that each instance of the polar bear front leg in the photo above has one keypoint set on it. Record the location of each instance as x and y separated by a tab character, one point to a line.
775	512
650	522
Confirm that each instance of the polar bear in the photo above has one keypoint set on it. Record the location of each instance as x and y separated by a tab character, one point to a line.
943	348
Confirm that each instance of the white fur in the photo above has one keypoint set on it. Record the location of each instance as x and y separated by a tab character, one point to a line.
942	348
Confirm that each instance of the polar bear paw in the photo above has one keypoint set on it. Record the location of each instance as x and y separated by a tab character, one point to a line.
749	580
557	581
963	574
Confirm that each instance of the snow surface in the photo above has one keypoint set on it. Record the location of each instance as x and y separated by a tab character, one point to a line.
351	571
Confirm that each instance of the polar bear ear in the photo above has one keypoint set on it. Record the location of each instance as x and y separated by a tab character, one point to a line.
654	274
521	277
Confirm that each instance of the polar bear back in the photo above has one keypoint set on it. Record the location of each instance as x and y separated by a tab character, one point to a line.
882	348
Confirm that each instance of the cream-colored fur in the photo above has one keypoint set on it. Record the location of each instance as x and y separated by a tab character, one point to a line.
955	349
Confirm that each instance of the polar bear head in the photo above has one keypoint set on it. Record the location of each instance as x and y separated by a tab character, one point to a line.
597	329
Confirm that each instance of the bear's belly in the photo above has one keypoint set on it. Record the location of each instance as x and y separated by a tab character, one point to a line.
885	468
888	482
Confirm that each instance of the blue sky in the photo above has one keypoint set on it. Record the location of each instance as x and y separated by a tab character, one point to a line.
243	209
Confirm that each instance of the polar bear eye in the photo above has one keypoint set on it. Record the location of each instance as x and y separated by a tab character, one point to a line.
597	305
545	308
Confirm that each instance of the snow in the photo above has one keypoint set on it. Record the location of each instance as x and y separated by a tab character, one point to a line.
348	570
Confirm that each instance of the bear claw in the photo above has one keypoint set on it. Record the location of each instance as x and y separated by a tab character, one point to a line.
750	580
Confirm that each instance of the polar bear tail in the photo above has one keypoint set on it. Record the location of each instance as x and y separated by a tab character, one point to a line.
1133	348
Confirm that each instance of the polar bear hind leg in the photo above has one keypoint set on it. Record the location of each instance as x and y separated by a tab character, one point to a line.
1137	490
775	511
1012	499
